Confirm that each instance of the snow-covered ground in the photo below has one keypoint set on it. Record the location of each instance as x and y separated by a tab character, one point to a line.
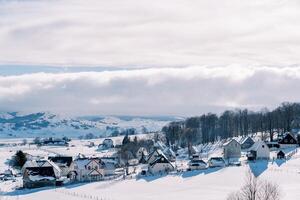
210	184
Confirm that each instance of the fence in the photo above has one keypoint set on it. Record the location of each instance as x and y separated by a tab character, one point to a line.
80	195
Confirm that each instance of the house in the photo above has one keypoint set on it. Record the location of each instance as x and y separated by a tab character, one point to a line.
197	164
280	155
34	177
231	149
246	142
88	169
54	142
166	150
8	174
42	163
259	150
216	162
93	169
160	164
288	140
106	144
65	163
108	167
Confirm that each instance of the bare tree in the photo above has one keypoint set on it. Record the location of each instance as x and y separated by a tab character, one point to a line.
250	189
255	189
269	191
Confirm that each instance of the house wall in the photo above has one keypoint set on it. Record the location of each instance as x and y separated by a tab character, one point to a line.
160	168
232	150
263	152
83	174
36	184
283	146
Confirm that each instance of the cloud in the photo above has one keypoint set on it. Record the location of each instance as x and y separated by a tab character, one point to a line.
137	33
179	91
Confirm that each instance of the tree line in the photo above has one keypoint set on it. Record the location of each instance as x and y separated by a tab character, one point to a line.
211	127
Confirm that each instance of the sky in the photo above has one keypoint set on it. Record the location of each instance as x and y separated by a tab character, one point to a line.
137	57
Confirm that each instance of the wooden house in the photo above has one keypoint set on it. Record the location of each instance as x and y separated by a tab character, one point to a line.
288	140
231	149
34	177
160	164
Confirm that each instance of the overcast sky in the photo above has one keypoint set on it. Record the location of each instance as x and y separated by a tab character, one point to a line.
139	57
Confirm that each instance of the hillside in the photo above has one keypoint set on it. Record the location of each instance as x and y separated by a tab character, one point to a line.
43	124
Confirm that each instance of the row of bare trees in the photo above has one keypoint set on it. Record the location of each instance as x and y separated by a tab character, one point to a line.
211	127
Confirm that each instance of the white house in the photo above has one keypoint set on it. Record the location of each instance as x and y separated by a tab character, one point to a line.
259	150
160	164
88	169
92	169
232	149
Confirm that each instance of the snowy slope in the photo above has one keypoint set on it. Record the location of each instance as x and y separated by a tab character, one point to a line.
13	124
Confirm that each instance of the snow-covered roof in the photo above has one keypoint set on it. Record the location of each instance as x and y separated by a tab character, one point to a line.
244	139
40	173
257	145
228	142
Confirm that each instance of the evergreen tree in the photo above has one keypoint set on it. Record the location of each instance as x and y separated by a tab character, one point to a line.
19	159
126	140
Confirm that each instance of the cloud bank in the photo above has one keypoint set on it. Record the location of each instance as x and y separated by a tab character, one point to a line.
140	33
179	91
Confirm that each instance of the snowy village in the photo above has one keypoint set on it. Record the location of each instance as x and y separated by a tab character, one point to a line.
58	164
149	100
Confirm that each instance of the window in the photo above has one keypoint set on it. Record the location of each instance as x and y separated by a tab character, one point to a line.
263	146
96	167
89	167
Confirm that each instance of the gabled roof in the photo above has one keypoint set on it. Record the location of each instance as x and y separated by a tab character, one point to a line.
257	145
243	140
288	135
48	163
228	142
161	159
82	163
67	160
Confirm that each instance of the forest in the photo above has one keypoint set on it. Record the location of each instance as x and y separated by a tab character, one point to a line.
211	127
